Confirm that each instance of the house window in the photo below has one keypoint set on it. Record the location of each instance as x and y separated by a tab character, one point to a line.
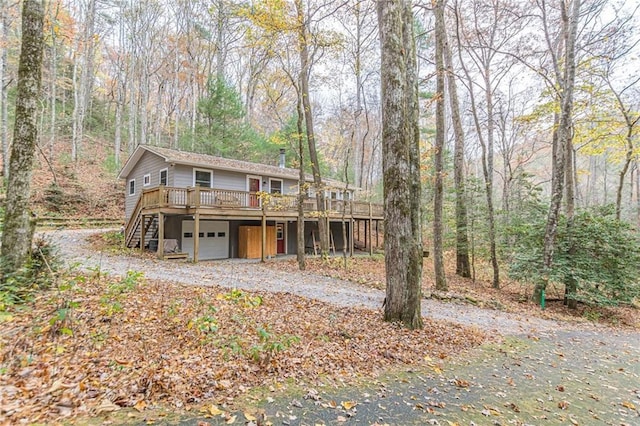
146	179
132	187
202	178
275	186
163	177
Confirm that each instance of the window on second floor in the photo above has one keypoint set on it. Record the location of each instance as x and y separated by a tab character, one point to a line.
202	178
146	179
132	187
163	177
275	186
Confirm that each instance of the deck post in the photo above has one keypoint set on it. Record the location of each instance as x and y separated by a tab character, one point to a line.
160	235
142	232
264	235
370	229
196	231
197	195
161	195
352	233
377	235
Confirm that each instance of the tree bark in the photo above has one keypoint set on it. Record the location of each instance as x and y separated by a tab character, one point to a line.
4	109
17	233
562	137
302	190
438	150
398	133
305	67
463	267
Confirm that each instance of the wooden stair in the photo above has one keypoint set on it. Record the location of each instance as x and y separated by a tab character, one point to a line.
135	228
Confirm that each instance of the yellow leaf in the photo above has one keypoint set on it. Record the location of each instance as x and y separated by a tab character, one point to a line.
628	405
140	405
348	405
231	420
249	417
215	411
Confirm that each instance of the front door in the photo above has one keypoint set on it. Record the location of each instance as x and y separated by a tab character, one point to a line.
280	249
254	186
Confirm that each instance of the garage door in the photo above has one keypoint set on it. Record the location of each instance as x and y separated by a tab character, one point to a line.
214	239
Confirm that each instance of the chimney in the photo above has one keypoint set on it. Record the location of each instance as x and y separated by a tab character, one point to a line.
281	162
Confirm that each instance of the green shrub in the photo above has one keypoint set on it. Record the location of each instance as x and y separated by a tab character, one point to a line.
598	253
38	273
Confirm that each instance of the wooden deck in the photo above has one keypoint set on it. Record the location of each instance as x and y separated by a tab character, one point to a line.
244	204
223	204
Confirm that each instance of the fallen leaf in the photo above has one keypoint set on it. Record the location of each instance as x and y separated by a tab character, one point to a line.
140	405
461	383
628	405
215	411
250	417
348	405
563	405
106	406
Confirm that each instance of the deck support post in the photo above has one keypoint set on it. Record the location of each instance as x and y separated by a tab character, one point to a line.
352	233
264	236
370	229
196	234
142	231
160	235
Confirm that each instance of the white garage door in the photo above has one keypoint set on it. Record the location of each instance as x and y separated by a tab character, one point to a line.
214	239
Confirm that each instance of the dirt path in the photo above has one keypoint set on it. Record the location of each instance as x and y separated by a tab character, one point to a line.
543	372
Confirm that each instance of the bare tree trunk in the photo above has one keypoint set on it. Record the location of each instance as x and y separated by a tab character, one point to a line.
305	69
53	83
4	109
570	285
562	138
82	87
463	268
18	231
302	191
438	255
402	260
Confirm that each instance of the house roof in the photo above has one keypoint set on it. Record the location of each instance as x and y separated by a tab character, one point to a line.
210	161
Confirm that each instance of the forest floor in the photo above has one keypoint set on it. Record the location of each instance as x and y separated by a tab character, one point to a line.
126	338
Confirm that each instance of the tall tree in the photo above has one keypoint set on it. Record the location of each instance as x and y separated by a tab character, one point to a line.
17	232
463	267
403	254
438	149
4	107
83	80
306	61
564	68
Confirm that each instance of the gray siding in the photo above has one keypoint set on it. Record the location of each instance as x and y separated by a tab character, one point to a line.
225	179
183	176
149	164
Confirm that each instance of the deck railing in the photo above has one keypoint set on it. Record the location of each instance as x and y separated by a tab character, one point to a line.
196	197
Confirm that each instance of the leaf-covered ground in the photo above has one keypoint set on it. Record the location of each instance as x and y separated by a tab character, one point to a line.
98	344
511	297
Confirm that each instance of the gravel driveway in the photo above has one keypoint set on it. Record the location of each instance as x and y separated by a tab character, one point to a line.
251	275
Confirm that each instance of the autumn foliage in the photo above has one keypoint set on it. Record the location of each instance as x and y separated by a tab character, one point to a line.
97	344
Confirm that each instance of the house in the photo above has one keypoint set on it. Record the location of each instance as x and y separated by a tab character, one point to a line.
207	207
